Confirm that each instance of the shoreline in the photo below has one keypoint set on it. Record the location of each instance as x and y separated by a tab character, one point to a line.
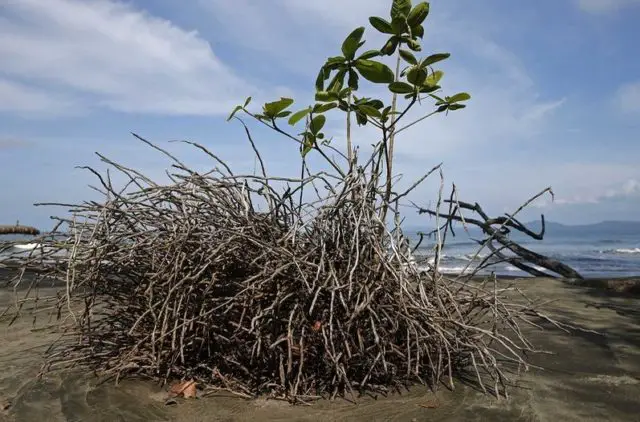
626	285
629	285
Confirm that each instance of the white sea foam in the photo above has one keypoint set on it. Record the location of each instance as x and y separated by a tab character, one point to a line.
632	251
473	257
456	269
511	268
26	246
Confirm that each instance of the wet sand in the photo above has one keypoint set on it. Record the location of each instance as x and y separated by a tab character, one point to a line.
588	378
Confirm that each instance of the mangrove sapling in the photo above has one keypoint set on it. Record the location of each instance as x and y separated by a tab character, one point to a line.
246	286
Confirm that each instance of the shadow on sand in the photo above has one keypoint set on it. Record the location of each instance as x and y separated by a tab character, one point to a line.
589	377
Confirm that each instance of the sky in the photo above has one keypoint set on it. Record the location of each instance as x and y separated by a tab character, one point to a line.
555	88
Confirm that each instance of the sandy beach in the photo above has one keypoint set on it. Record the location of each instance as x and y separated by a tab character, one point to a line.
589	377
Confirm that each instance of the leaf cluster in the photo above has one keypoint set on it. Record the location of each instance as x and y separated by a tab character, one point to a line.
341	76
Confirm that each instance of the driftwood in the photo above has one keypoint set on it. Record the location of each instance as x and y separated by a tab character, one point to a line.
523	257
18	229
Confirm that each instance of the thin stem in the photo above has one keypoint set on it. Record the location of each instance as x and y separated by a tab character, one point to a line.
282	132
389	148
394	103
416	121
349	146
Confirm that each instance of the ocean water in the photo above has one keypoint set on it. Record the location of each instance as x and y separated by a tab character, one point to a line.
592	255
18	247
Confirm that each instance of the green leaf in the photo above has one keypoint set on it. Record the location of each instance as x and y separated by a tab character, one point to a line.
434	78
417	75
233	113
325	96
400	88
417	31
454	107
369	111
247	101
461	96
434	58
375	72
353	79
375	103
390	46
369	54
275	107
400	25
408	57
400	8
414	45
299	115
334	66
317	123
322	108
362	119
352	43
338	81
429	88
308	143
335	60
306	149
323	75
282	114
381	25
418	14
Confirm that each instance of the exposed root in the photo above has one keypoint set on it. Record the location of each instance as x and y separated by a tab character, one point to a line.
191	280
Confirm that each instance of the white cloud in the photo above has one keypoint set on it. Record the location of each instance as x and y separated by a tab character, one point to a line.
628	190
508	184
19	98
114	55
296	34
627	98
605	6
576	184
122	58
339	12
540	110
